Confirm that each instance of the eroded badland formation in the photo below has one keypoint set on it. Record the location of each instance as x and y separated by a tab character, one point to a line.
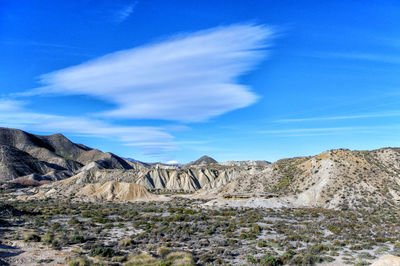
64	202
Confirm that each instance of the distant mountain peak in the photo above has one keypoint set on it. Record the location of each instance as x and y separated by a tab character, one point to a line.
203	160
57	135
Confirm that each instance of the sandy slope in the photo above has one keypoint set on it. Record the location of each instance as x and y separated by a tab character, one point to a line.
118	191
387	260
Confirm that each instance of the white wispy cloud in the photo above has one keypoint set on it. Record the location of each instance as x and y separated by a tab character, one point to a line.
343	117
191	77
36	43
150	140
306	130
373	57
7	105
123	13
299	132
48	48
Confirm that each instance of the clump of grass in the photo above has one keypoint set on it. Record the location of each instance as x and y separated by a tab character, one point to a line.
32	237
73	221
77	239
48	237
80	262
125	242
271	261
180	258
163	251
142	259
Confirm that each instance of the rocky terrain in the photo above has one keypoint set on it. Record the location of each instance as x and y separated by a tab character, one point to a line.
65	203
25	156
338	179
335	179
181	232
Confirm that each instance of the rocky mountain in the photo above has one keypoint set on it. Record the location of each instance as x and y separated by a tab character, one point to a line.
202	161
29	159
333	179
15	163
51	157
185	180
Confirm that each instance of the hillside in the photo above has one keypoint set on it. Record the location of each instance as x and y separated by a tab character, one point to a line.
327	208
202	161
15	163
333	179
338	179
52	157
117	191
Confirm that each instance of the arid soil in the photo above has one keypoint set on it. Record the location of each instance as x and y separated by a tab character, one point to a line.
188	232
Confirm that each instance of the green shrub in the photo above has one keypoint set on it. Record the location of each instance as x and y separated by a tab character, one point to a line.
77	239
32	237
48	237
165	263
261	244
287	256
163	251
334	229
80	262
361	263
271	261
102	252
100	220
306	259
318	249
256	229
56	226
73	221
251	259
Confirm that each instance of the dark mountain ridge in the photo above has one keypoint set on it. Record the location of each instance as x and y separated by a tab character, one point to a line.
52	157
204	160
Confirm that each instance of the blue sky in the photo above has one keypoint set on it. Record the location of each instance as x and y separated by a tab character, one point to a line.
174	80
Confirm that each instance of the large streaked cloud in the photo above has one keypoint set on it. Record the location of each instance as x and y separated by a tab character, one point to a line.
372	57
189	78
303	132
394	113
154	141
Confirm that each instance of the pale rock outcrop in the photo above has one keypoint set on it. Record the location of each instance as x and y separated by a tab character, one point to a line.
118	191
387	260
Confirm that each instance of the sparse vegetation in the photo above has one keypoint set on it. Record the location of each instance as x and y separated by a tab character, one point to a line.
178	233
